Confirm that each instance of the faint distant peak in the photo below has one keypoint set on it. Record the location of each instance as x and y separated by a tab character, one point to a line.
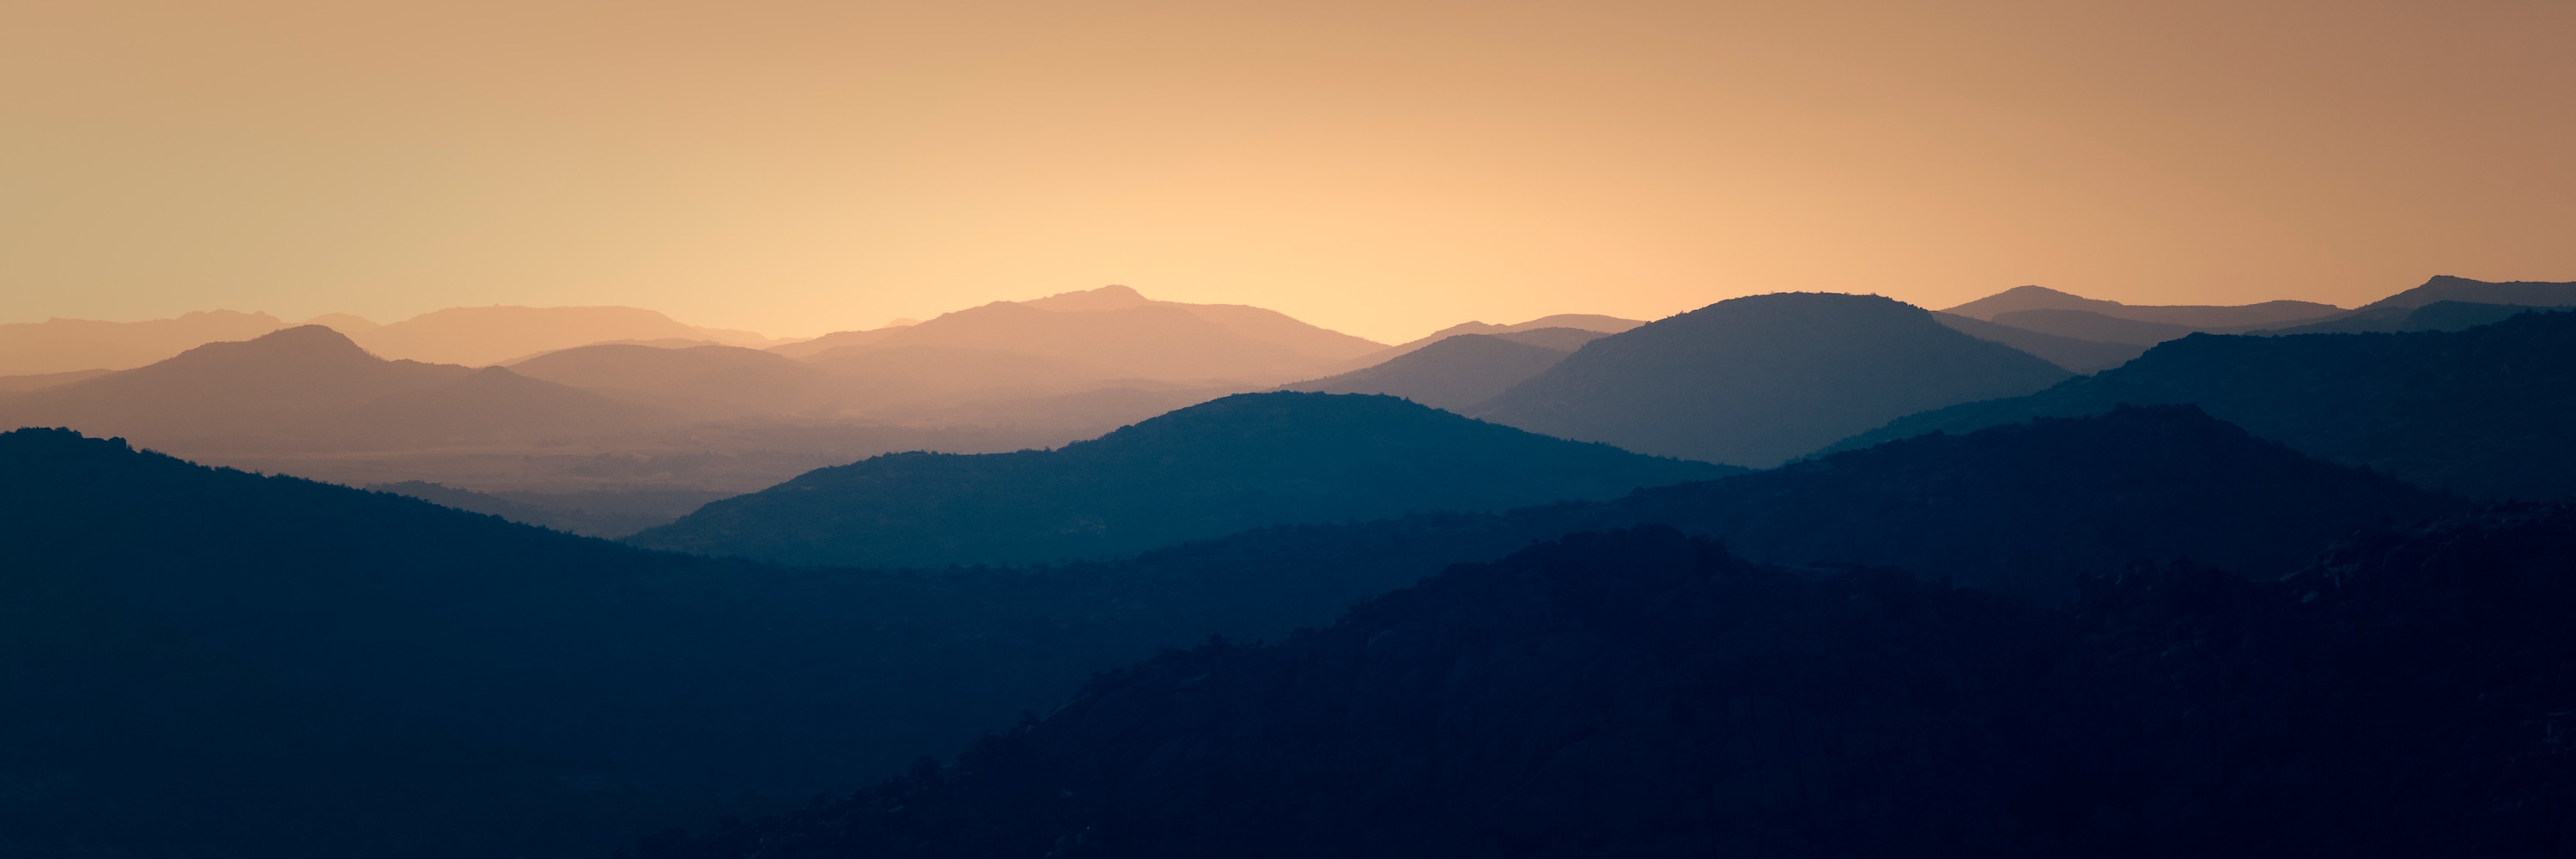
344	323
2021	298
901	322
1111	297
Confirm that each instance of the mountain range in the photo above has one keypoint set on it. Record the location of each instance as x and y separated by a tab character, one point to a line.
245	657
2478	411
309	388
1240	462
1461	370
1101	335
1755	381
1637	693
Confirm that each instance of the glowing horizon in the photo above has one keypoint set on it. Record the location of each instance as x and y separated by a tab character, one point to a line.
795	168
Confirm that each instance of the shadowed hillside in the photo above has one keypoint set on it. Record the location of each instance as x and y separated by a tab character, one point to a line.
2077	356
1640	694
1755	381
298	669
1452	374
1241	462
596	513
2482	411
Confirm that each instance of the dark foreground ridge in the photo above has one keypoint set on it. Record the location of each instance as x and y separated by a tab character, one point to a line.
2483	412
1639	693
1213	469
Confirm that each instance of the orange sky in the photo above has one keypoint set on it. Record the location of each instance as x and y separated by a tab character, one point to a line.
1382	168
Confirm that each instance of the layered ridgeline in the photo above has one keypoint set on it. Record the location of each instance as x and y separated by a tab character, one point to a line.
2482	411
1588	323
72	345
198	661
2444	303
309	388
1641	694
213	660
483	336
1755	381
2066	315
1237	463
1099	335
1459	371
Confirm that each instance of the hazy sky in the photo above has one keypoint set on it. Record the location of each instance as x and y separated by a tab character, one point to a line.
1382	168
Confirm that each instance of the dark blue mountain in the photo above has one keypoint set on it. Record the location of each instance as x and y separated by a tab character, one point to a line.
2482	412
1209	470
1756	381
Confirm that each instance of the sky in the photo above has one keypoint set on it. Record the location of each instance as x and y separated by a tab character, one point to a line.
1383	168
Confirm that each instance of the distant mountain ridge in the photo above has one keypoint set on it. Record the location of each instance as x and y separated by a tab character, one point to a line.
484	336
2196	317
2479	411
1460	371
1754	381
1240	462
1111	333
2528	293
1591	322
310	388
71	345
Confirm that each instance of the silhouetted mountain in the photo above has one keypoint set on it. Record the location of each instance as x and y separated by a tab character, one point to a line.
1452	374
1754	381
595	513
309	388
270	667
1640	694
1106	334
208	662
66	345
482	336
2528	293
2030	509
2088	325
1240	462
2078	356
2481	411
2193	316
2437	316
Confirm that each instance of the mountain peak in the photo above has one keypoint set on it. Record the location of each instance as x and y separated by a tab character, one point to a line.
302	342
1111	297
2028	298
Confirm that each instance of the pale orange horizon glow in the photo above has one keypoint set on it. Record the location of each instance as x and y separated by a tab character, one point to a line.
1383	169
